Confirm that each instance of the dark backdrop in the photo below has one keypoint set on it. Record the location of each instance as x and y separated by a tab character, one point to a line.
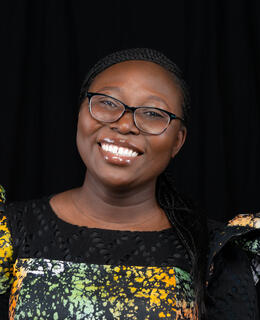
46	48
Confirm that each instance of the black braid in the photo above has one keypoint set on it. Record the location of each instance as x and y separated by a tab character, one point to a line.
145	54
192	224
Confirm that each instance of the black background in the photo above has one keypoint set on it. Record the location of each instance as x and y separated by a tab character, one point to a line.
47	46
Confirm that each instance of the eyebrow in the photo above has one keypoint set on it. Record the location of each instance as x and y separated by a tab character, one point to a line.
109	88
153	97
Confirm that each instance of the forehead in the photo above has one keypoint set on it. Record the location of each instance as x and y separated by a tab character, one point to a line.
139	77
142	68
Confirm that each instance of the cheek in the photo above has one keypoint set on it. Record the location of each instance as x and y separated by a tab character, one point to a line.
87	125
86	129
161	152
163	144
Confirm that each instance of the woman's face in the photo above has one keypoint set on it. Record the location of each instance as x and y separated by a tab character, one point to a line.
136	83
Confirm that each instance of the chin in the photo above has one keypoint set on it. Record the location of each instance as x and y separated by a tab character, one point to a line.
116	182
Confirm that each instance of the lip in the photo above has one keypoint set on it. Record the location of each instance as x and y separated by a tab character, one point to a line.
119	160
121	143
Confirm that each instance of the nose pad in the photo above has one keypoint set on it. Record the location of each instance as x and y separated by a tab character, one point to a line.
125	124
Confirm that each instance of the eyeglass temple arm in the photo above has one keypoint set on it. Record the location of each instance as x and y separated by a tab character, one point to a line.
173	116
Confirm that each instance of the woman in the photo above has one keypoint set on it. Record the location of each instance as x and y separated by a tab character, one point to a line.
125	244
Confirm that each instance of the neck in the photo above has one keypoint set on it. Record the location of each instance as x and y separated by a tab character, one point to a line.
121	209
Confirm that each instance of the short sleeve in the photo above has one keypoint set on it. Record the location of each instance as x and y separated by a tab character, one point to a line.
250	241
6	249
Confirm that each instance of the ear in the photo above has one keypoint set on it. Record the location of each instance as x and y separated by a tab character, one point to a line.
179	140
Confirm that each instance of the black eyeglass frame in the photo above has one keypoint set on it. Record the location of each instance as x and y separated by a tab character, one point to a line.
171	115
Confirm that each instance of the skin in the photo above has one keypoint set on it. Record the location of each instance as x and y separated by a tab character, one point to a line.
122	197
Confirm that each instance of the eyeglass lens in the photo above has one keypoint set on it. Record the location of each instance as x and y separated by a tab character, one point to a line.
147	119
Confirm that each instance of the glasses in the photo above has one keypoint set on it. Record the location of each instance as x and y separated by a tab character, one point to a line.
147	119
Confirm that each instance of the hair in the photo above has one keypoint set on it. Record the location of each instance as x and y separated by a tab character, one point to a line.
191	226
189	222
145	54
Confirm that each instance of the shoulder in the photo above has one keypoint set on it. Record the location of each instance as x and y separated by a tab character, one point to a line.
26	206
242	229
233	267
241	235
21	215
243	226
244	221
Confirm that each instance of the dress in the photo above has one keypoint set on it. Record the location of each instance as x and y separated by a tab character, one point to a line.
55	270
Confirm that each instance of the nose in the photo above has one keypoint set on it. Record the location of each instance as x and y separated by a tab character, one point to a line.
125	124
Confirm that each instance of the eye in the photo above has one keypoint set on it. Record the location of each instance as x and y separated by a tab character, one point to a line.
153	114
108	102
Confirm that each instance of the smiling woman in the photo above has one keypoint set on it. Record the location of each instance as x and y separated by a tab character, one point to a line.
126	244
136	83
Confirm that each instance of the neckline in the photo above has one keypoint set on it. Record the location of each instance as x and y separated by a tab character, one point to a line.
96	229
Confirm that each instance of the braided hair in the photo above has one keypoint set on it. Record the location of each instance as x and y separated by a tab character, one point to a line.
191	226
188	221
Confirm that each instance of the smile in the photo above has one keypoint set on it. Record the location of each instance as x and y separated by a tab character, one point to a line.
119	151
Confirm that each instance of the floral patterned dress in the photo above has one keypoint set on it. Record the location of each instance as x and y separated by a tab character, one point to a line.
55	270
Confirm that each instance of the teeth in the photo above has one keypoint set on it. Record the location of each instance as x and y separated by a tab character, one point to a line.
115	149
119	151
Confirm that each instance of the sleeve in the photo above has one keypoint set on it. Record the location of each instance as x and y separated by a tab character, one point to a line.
2	194
6	249
250	241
